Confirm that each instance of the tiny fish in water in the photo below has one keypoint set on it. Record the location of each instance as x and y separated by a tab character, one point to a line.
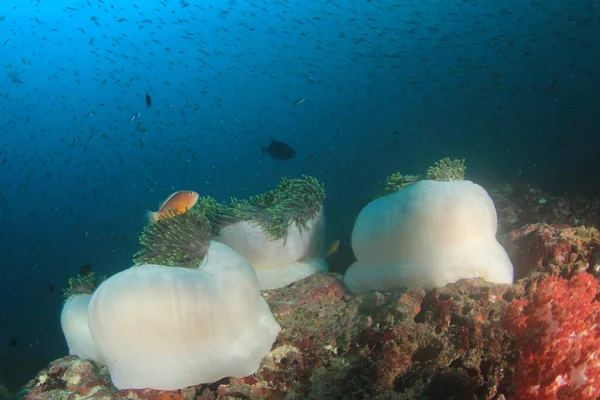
300	101
333	247
50	287
278	150
148	100
14	341
178	203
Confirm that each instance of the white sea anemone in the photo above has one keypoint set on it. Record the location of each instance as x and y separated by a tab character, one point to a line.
279	261
74	317
170	327
427	234
74	324
281	232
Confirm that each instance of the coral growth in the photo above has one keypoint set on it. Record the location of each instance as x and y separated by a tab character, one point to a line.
558	331
556	250
519	204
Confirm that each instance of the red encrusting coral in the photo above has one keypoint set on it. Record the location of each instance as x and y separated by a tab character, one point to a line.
558	331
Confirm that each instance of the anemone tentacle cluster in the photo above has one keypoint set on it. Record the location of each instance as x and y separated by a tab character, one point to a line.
82	284
294	201
280	232
446	170
177	241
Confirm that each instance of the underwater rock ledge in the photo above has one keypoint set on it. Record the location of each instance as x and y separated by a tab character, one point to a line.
449	342
396	344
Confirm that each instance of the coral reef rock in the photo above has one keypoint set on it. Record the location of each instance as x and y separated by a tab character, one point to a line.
401	344
449	342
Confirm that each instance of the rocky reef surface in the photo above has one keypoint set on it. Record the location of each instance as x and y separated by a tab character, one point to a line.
454	342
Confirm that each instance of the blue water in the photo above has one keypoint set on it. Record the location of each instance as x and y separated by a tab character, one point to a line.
511	86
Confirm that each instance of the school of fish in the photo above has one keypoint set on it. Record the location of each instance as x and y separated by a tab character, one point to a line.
107	107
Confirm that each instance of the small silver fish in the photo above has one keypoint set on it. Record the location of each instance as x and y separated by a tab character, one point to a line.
300	101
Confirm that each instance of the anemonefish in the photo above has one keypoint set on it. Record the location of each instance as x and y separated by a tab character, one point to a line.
178	203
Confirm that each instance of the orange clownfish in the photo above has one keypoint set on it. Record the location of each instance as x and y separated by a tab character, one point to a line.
178	203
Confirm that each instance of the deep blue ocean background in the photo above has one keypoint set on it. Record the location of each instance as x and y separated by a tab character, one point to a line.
511	86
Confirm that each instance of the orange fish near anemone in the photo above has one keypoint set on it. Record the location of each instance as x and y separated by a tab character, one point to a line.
177	203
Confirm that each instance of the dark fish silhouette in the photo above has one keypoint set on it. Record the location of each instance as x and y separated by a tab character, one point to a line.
85	269
50	287
148	100
278	150
13	341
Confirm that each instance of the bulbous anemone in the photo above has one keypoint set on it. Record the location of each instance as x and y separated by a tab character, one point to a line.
427	233
281	232
294	200
181	240
167	328
73	317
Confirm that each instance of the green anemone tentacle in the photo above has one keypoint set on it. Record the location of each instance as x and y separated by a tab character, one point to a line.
180	240
447	170
293	200
82	284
